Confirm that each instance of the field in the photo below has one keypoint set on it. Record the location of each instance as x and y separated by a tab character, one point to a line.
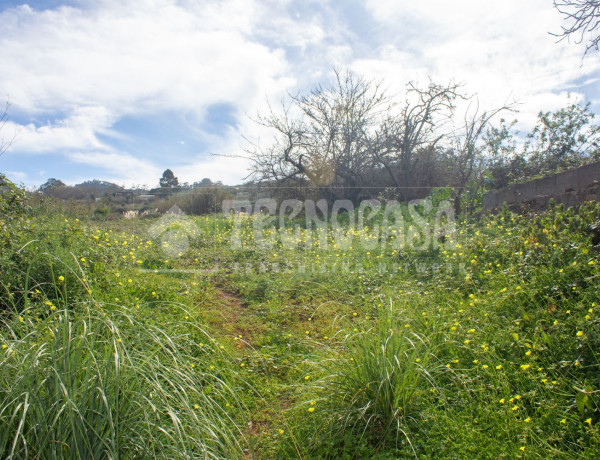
129	338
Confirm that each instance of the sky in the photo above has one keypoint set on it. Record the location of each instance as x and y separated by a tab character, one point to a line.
120	90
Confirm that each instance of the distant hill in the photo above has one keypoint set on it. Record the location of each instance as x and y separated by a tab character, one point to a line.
99	187
88	190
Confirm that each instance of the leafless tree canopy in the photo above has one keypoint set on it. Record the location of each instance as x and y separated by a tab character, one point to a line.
468	156
583	21
417	127
351	137
321	136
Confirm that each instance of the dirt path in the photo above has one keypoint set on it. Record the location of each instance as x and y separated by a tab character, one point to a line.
235	320
236	324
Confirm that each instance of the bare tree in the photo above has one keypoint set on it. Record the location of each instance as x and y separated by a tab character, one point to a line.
583	18
467	155
351	134
320	137
415	128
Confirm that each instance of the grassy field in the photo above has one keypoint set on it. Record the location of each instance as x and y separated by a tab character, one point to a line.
116	342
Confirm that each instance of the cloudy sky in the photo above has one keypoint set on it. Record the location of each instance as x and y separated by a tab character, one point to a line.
120	90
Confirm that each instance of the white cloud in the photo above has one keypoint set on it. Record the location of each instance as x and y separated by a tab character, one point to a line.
79	131
118	59
87	67
229	170
120	167
501	50
135	59
18	177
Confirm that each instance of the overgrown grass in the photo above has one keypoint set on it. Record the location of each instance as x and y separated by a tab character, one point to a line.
94	384
377	391
499	352
487	347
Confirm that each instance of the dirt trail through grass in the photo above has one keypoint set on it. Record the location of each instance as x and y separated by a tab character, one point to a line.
244	329
236	321
239	322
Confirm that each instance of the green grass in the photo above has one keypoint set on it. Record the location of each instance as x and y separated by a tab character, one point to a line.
486	348
97	384
378	393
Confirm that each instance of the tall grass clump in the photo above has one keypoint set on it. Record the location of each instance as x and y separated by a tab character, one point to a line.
83	383
374	396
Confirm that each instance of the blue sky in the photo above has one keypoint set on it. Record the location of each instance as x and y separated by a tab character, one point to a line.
120	90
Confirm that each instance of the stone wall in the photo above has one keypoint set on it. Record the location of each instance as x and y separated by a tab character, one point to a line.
569	188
